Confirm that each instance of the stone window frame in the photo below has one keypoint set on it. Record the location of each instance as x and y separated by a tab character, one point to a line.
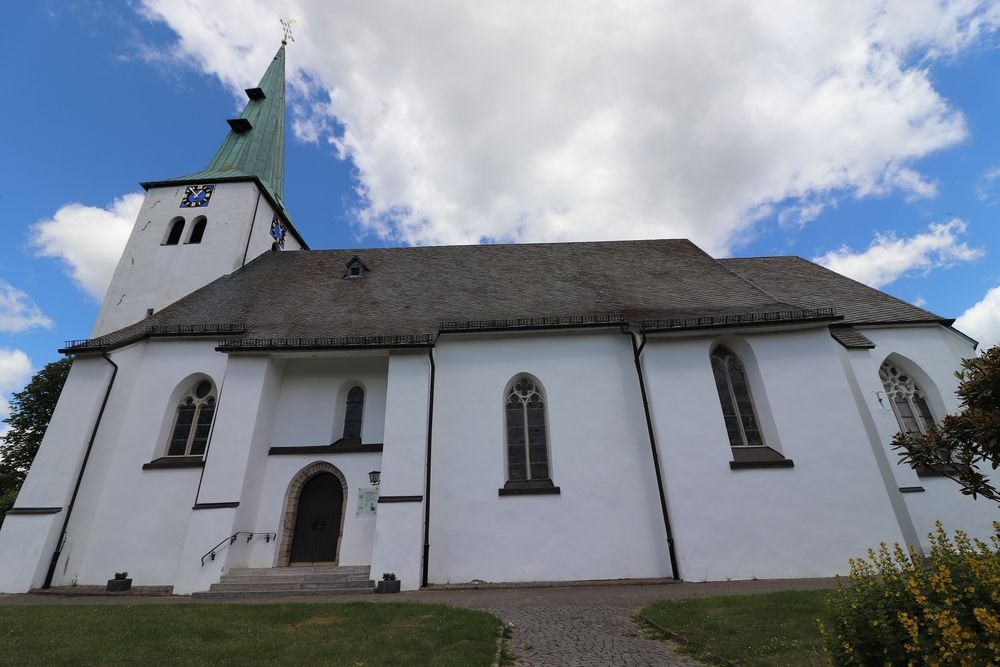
727	358
211	398
529	485
291	509
746	456
903	385
347	412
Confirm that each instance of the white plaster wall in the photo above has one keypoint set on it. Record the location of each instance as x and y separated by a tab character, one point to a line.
311	404
28	541
128	518
399	530
932	354
778	522
606	523
152	275
308	409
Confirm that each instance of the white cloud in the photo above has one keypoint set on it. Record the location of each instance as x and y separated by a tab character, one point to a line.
890	257
985	185
15	369
982	320
88	239
18	312
552	121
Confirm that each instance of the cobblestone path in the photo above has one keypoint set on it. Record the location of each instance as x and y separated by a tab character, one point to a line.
581	636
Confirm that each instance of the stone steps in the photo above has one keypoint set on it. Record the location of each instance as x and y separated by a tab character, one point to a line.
286	581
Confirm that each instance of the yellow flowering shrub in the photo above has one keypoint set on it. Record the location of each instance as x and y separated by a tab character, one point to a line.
899	609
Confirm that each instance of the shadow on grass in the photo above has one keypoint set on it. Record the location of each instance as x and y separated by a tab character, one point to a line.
357	633
754	630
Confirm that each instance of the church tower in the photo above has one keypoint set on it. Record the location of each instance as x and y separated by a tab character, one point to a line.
196	228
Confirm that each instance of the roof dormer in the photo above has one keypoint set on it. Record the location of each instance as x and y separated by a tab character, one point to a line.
355	268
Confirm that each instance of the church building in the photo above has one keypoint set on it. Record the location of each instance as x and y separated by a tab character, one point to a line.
501	413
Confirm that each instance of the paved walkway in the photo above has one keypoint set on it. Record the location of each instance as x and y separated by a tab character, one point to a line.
552	626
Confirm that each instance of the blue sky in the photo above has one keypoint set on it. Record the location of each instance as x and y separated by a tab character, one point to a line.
863	137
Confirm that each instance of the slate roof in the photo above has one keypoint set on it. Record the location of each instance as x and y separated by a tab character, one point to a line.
408	295
809	285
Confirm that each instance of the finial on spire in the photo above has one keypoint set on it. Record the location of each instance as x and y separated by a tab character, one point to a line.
286	26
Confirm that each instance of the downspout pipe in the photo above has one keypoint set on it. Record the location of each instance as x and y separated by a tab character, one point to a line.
634	334
427	476
79	477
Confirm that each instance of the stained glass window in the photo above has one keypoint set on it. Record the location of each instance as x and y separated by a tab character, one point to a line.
908	402
738	412
355	409
193	421
527	444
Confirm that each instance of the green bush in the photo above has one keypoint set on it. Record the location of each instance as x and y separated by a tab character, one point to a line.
899	609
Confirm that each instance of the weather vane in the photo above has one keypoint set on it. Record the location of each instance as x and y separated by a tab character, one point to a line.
286	26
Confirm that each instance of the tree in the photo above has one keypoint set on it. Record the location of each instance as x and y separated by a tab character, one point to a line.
30	412
962	444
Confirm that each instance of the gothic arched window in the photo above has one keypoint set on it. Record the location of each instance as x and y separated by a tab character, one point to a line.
176	229
353	413
742	424
527	441
909	403
193	421
198	230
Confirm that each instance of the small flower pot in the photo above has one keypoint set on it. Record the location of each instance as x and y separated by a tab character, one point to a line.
388	586
119	585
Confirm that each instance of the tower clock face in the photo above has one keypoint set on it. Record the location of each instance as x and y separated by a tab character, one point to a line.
197	195
278	231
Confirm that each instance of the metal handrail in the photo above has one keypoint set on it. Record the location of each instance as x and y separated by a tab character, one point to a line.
210	554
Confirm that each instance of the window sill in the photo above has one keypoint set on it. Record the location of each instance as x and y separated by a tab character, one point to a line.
342	446
747	465
168	462
758	457
529	488
938	471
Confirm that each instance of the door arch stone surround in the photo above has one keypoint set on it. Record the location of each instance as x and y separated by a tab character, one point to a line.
290	513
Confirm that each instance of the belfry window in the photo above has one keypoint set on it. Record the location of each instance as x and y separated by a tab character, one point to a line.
176	228
527	441
198	230
193	421
909	403
354	412
738	411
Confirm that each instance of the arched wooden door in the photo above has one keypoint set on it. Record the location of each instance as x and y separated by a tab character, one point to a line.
317	521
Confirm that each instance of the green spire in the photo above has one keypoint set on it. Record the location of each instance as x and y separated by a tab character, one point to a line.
255	146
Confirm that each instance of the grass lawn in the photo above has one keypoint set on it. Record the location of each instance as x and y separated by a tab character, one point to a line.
358	633
766	629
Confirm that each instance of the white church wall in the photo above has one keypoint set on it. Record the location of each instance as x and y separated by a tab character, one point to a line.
260	238
153	275
309	407
605	523
771	522
243	423
931	354
28	541
398	544
135	519
312	402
